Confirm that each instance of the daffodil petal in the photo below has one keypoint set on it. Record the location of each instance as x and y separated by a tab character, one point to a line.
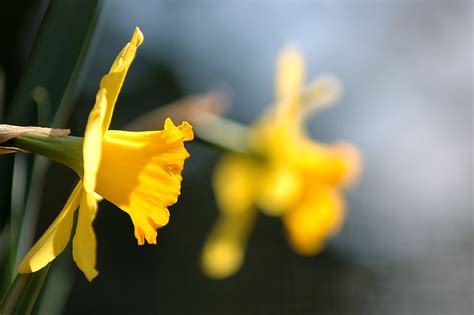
334	165
290	73
234	182
352	158
92	145
314	220
84	243
224	249
113	81
141	174
56	237
221	258
235	186
322	93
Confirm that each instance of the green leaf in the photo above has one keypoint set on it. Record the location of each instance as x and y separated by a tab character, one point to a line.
56	60
54	67
22	294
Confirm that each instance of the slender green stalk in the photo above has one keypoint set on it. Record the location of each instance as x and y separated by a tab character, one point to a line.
58	286
227	136
18	192
29	220
64	150
224	134
22	294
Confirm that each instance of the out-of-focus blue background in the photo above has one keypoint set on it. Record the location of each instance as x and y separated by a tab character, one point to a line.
407	71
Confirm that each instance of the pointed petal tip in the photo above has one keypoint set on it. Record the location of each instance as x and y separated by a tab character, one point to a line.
291	52
137	36
185	128
290	73
55	239
84	243
91	274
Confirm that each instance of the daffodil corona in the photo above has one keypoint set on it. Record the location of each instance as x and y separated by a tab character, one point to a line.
289	175
139	172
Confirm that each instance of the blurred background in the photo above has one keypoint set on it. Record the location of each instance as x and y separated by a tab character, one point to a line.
407	72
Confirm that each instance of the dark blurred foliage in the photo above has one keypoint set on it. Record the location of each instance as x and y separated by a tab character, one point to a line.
407	70
19	21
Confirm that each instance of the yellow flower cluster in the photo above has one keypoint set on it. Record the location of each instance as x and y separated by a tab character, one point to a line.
293	176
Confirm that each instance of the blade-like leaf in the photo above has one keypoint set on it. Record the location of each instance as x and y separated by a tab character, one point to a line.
22	294
55	64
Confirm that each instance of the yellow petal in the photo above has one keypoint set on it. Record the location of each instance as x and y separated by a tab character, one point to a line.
314	220
322	93
235	186
93	141
280	188
332	165
234	182
224	249
56	237
352	162
113	81
290	73
141	174
222	258
84	243
289	84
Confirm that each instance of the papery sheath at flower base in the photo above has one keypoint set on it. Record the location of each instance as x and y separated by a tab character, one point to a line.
298	179
139	172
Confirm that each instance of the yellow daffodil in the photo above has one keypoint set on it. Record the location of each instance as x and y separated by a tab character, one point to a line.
139	172
293	176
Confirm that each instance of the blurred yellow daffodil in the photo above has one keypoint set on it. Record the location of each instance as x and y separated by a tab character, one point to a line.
289	175
139	172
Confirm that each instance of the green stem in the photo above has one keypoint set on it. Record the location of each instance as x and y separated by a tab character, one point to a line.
223	134
32	204
64	150
22	294
226	135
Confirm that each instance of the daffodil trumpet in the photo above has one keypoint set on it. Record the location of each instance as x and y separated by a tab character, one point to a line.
139	172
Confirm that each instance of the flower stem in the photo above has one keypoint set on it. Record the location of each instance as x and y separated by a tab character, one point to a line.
223	134
65	150
21	296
